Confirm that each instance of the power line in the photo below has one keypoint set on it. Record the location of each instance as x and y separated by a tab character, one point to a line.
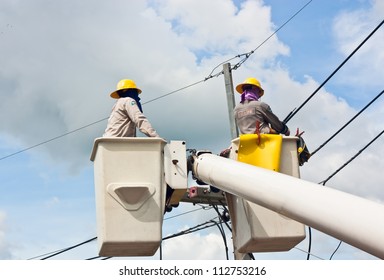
334	252
52	139
247	55
57	252
308	253
344	126
291	114
205	225
277	30
351	159
93	123
337	171
199	227
36	257
178	215
69	248
170	93
333	73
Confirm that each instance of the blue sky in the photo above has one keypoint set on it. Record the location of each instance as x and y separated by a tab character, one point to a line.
61	60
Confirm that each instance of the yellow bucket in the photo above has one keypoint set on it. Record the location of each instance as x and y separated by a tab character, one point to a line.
263	152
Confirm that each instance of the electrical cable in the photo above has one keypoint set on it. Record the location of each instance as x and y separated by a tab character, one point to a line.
323	182
198	227
321	146
226	222
334	252
337	132
93	123
57	252
333	174
218	213
184	213
351	159
36	257
187	231
333	73
277	30
93	258
221	229
69	248
309	253
247	55
309	243
235	67
172	92
52	139
205	225
193	229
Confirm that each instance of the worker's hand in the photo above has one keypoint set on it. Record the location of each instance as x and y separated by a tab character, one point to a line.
225	153
287	133
272	131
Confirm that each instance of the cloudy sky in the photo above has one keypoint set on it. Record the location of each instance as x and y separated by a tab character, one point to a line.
61	59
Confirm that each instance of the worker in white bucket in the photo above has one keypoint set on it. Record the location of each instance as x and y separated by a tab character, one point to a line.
127	113
253	116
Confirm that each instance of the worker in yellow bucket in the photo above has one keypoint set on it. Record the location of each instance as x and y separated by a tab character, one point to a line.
253	116
127	113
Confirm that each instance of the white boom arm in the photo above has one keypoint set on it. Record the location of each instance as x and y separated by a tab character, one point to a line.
352	219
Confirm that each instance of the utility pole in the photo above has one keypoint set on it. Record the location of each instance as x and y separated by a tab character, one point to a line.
230	99
234	134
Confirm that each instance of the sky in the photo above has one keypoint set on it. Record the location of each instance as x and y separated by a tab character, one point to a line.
61	59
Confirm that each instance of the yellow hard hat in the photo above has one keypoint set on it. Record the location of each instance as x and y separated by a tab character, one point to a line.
124	84
250	81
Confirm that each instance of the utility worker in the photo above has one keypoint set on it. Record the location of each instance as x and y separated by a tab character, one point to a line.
127	113
253	116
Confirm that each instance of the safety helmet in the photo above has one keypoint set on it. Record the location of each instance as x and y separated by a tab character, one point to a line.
250	81
124	84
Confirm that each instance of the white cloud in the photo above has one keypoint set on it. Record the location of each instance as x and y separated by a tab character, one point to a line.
58	71
5	249
197	247
52	202
350	29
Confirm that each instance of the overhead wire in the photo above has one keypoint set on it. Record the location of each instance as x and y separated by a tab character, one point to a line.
222	221
93	123
247	55
346	124
198	227
352	158
57	252
184	213
294	112
337	248
201	226
306	252
338	170
52	139
42	255
222	232
309	242
69	248
236	66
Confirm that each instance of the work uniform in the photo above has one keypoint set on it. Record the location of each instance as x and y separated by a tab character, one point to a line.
124	119
251	112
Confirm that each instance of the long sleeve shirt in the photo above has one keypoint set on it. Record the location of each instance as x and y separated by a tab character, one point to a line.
124	119
247	114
